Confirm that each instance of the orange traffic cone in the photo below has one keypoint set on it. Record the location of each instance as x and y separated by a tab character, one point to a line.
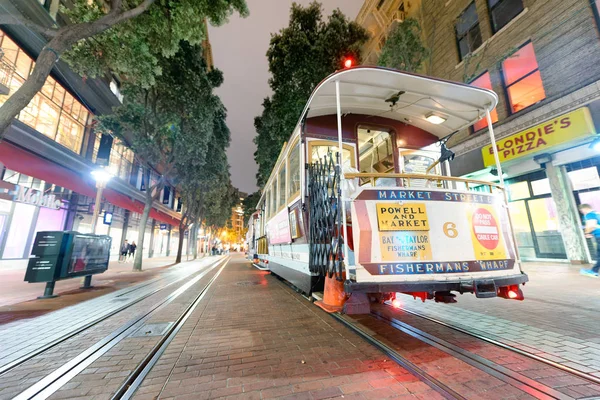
334	296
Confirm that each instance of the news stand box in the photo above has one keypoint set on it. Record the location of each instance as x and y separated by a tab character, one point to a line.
60	255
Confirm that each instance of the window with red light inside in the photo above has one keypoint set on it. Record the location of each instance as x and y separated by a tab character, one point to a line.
522	79
483	81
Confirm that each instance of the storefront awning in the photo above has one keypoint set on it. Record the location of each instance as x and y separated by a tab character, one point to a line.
24	162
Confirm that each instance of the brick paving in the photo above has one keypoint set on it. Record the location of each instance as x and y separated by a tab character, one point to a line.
254	338
31	371
103	377
558	319
463	378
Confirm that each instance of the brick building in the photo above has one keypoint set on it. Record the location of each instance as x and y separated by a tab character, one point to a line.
236	222
541	58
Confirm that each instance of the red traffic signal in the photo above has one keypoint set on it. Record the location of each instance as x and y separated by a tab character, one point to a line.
348	62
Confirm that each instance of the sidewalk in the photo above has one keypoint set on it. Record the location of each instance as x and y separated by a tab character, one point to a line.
18	299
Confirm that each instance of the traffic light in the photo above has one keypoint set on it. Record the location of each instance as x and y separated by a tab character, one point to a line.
348	62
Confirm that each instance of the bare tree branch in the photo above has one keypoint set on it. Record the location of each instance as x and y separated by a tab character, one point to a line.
10	19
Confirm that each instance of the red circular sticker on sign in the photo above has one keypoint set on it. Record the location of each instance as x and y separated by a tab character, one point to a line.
485	228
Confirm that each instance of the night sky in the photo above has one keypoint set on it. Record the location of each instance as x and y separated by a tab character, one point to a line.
239	50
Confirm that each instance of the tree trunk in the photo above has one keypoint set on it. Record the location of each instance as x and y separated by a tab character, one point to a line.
137	262
180	244
195	240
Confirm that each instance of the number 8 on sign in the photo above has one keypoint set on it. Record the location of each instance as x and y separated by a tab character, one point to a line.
450	230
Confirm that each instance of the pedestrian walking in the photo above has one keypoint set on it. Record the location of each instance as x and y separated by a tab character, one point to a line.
132	248
592	230
124	251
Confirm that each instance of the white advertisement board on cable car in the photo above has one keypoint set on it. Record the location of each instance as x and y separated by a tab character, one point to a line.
422	233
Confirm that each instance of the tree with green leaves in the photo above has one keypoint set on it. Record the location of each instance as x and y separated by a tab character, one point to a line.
403	48
300	56
125	37
249	204
169	125
207	193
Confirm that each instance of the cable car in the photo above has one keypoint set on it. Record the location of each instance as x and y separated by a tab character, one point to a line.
362	201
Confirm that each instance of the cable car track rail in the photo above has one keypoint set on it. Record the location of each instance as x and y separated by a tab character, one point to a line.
432	382
526	384
15	363
521	382
60	376
583	375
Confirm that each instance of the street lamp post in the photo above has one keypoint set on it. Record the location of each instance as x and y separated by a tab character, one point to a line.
101	176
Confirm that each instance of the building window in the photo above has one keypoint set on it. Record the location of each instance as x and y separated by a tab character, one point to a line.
468	35
522	79
53	111
503	11
121	160
484	81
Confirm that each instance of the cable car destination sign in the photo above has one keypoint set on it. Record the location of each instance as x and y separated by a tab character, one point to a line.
432	231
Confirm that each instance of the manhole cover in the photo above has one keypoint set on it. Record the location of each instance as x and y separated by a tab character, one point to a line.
147	330
246	283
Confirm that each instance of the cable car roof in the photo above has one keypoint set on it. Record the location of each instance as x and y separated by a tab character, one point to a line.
402	96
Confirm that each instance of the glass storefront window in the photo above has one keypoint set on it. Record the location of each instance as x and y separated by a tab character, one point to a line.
5	206
517	191
544	219
49	110
586	178
49	220
19	231
522	228
540	187
592	198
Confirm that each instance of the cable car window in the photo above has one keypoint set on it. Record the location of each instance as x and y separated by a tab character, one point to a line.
274	197
268	203
376	153
281	190
294	172
319	149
